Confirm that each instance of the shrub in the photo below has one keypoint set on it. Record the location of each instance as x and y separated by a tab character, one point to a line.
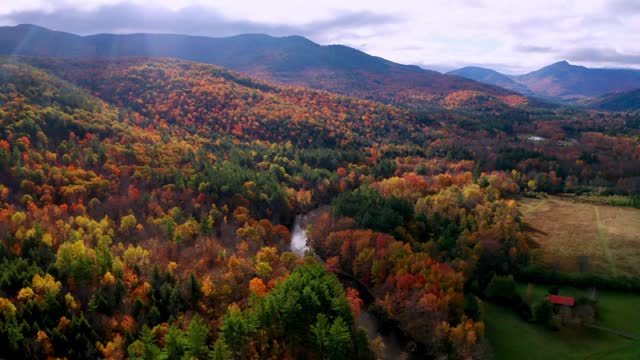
501	289
543	313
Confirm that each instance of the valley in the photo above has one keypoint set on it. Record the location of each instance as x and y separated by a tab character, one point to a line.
168	196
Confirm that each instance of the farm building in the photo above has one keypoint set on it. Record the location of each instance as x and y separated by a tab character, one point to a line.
561	300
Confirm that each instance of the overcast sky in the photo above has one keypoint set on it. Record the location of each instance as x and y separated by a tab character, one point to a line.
513	36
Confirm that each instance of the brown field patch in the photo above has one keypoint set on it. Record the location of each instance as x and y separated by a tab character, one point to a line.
576	236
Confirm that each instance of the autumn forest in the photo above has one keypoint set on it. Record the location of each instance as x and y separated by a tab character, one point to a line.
147	209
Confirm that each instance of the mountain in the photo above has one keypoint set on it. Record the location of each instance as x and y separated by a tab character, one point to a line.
492	77
623	101
290	60
560	81
567	81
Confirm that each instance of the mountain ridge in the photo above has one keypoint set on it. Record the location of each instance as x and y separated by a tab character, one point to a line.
292	60
561	81
491	77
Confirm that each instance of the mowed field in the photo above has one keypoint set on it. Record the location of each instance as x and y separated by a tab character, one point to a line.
575	236
513	338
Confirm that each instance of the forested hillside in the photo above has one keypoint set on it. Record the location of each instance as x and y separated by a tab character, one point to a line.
291	60
211	102
146	205
617	101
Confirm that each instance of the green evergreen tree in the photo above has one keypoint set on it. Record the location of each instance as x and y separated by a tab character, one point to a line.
221	351
145	348
174	343
197	338
195	290
339	340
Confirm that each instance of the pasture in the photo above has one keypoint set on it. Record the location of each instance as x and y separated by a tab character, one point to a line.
582	237
513	338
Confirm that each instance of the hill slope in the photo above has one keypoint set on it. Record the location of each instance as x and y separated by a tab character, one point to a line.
289	60
207	100
624	101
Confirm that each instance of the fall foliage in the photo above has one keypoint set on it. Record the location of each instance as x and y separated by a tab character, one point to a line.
146	208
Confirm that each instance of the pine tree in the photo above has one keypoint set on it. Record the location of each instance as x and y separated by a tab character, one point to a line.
197	338
174	343
195	290
221	351
339	340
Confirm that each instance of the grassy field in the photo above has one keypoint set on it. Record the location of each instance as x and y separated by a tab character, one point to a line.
577	236
513	338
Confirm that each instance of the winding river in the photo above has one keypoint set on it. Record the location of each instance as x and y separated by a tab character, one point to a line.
299	234
394	344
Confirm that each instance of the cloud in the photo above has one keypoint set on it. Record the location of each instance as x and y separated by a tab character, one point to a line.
193	20
605	20
122	17
533	49
474	3
625	7
603	56
534	24
452	33
347	20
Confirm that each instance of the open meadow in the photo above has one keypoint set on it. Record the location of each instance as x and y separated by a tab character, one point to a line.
582	237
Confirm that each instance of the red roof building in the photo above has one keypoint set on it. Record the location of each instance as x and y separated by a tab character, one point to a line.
561	300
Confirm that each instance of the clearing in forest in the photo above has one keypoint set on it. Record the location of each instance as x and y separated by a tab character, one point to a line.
575	236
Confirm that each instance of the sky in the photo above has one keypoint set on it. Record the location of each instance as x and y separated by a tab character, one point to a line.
512	36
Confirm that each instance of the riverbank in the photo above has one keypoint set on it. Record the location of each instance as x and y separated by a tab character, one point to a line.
396	343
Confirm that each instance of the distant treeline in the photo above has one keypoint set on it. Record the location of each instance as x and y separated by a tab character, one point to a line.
538	274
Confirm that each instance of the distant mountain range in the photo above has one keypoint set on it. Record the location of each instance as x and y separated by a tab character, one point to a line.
493	77
290	60
560	81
